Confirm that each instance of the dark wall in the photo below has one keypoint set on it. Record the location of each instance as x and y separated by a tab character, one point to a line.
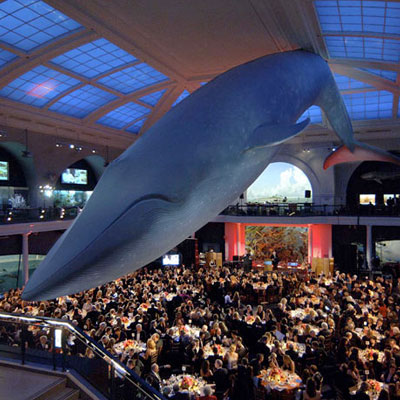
16	176
39	243
345	241
358	185
212	235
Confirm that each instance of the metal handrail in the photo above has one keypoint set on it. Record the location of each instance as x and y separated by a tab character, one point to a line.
115	365
307	210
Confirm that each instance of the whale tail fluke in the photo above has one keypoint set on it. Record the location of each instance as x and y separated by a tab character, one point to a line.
361	152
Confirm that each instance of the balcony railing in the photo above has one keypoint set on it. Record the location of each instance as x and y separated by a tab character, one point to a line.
308	210
105	373
12	216
21	215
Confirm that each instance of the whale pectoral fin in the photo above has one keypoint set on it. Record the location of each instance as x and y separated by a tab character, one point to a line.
272	135
362	152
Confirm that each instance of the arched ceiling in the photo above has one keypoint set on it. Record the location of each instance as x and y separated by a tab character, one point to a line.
109	69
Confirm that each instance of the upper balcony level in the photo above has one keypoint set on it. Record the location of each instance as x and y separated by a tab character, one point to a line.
20	221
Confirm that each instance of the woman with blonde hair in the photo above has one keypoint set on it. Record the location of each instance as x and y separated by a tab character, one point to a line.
231	358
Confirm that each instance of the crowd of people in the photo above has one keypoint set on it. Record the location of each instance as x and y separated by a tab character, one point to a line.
226	325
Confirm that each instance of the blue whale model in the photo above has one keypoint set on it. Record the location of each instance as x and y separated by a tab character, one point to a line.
188	167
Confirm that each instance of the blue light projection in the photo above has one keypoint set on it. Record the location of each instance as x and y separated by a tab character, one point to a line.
123	115
363	48
135	128
346	83
369	105
359	16
94	59
314	113
182	96
152	98
28	24
82	101
391	75
6	57
38	86
133	78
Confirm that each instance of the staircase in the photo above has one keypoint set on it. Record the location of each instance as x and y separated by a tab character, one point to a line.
57	390
23	382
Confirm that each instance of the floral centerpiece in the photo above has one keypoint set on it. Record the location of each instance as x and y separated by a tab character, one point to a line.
129	344
145	306
250	319
276	375
374	388
187	383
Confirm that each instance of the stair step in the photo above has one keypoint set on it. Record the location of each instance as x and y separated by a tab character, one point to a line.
65	394
50	391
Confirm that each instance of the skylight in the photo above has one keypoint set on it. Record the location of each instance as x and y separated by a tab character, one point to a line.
93	59
6	57
182	96
391	75
133	78
82	101
314	113
123	115
363	47
359	16
135	128
152	98
346	83
38	86
369	105
28	24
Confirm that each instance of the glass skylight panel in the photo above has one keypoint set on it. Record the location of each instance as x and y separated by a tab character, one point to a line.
28	24
346	83
391	75
369	105
133	78
182	96
38	86
314	113
6	57
135	128
93	59
153	98
123	115
363	47
82	101
359	16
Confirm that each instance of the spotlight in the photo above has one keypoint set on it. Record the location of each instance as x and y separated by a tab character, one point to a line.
333	148
78	148
94	151
71	146
42	216
58	144
9	219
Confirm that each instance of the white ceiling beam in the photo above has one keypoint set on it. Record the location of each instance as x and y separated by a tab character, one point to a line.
44	54
164	106
363	76
363	34
108	27
95	115
351	62
24	116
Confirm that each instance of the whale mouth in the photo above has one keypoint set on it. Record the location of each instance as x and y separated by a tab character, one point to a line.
30	293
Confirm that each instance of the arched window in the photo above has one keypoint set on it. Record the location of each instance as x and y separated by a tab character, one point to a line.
280	182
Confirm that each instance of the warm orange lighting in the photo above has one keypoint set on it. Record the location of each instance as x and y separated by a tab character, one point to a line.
42	89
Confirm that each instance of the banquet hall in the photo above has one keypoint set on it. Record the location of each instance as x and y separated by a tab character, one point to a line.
289	291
